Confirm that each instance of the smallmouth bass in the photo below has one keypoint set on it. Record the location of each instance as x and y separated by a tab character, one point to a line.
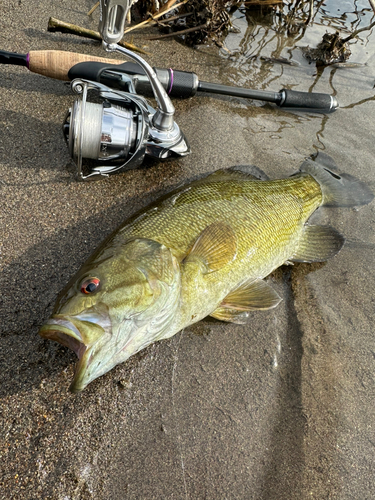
202	250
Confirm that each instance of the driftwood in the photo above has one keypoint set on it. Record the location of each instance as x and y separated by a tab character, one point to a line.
63	27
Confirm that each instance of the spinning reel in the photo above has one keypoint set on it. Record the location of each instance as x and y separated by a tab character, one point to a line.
116	129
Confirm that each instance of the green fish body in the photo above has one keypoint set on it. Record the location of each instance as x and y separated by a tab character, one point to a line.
205	249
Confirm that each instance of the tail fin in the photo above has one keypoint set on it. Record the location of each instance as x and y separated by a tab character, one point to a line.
339	190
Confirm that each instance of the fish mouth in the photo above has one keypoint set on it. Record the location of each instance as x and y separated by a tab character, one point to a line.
65	333
80	336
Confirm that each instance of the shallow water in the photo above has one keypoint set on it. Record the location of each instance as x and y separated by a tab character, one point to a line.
279	409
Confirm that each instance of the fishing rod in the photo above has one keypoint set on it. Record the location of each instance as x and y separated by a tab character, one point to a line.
119	127
67	66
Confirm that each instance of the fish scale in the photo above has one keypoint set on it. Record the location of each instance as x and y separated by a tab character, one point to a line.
247	205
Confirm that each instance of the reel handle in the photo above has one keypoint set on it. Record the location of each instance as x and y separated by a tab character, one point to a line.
113	15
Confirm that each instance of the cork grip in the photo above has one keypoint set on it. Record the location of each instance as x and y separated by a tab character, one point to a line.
57	63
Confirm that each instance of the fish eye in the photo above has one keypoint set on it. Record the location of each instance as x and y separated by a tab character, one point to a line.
90	285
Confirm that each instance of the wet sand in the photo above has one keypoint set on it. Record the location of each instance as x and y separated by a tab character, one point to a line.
281	408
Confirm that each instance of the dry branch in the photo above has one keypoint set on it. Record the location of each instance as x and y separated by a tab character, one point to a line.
93	9
150	21
63	27
176	33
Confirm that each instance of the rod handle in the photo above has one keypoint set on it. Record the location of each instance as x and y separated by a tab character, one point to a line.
57	63
177	83
310	100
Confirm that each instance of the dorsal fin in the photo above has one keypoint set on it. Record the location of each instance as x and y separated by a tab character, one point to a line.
236	173
250	171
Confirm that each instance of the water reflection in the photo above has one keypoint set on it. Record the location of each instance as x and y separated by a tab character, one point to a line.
362	101
266	54
267	48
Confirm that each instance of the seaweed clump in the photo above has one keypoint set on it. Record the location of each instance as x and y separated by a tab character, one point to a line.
332	49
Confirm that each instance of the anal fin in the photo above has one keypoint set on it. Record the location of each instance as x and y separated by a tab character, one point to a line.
318	244
251	295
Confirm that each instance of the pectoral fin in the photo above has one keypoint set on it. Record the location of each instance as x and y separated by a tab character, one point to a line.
216	246
248	296
318	244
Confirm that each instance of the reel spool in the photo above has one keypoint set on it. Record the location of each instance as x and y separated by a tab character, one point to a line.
115	132
111	132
